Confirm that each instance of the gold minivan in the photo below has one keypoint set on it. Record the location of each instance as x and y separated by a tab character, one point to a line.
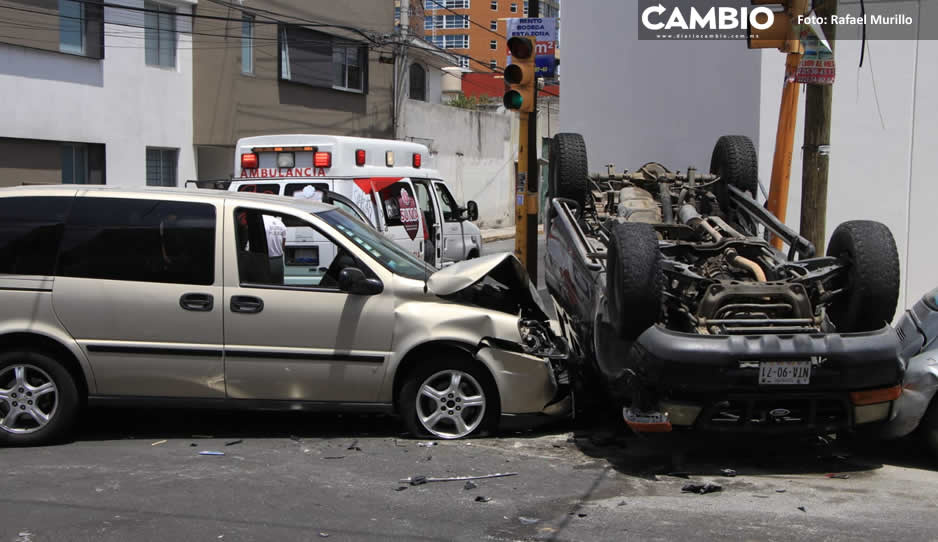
178	298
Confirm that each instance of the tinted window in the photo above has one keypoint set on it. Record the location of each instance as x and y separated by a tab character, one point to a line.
260	188
30	232
140	240
297	190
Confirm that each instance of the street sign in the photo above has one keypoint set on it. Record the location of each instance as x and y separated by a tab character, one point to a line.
544	31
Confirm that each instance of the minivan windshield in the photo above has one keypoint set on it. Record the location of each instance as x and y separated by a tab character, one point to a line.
386	252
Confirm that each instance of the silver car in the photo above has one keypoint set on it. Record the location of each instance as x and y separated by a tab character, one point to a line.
173	297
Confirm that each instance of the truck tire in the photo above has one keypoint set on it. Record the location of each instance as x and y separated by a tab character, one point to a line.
734	159
568	173
634	278
872	278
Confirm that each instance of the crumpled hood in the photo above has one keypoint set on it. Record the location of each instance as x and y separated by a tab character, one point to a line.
503	268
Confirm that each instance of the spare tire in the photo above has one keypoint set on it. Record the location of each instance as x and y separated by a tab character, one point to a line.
734	159
633	278
871	282
568	173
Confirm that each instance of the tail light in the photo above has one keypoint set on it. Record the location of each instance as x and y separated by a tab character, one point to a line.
417	160
249	161
322	159
360	157
870	397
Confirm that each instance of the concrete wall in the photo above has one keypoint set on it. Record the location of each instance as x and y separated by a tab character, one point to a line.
473	152
884	133
639	101
118	101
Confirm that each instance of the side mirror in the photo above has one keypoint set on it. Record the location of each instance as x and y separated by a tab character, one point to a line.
472	208
353	281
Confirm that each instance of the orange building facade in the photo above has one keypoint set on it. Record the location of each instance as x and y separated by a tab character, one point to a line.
475	30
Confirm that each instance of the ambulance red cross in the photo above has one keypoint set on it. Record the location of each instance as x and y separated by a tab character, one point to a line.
388	180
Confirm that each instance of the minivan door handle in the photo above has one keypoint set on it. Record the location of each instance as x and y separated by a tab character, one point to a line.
247	304
197	302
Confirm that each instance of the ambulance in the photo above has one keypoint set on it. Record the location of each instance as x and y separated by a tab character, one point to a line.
389	182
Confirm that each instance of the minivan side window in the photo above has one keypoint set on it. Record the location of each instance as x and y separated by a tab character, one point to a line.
30	233
268	188
139	240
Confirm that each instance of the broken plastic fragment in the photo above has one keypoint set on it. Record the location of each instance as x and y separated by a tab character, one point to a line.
729	473
211	453
469	486
481	498
528	521
838	476
233	442
418	480
426	444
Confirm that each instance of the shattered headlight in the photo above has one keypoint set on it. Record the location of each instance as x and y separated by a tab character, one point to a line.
538	339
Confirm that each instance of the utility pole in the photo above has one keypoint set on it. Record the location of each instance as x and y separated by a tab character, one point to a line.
816	152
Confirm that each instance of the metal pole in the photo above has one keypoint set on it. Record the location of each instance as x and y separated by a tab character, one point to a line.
534	168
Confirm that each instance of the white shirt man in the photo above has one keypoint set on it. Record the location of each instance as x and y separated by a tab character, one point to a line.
276	239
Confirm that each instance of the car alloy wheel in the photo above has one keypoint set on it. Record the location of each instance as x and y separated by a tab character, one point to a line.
450	404
28	399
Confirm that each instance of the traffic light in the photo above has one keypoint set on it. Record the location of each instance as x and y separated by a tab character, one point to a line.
782	34
519	75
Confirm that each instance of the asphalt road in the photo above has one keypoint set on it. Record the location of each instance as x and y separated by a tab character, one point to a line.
138	475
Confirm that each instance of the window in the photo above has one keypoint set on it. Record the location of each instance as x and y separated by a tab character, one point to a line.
319	60
418	83
139	240
71	27
493	44
160	35
282	250
432	22
451	41
514	7
400	206
446	4
494	5
347	62
463	61
525	7
247	44
493	24
389	254
30	233
447	204
493	64
298	190
82	163
269	188
161	167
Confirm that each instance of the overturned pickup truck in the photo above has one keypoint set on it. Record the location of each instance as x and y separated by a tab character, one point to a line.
690	317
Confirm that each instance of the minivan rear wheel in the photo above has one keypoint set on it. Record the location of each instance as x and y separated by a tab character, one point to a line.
38	399
449	400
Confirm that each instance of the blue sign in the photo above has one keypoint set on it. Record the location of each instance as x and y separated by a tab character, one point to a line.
544	32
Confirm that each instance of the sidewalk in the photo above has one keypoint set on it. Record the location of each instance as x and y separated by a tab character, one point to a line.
499	234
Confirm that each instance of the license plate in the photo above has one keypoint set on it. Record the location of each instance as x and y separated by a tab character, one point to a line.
785	372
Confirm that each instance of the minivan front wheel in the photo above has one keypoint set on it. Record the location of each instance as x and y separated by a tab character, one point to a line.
38	399
451	401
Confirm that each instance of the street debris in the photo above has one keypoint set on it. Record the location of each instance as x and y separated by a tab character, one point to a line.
456	478
426	444
528	521
470	486
481	498
157	443
780	490
416	480
192	445
622	503
837	476
295	438
729	473
334	457
323	535
684	475
802	509
701	489
400	488
233	442
581	515
203	436
211	453
354	446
